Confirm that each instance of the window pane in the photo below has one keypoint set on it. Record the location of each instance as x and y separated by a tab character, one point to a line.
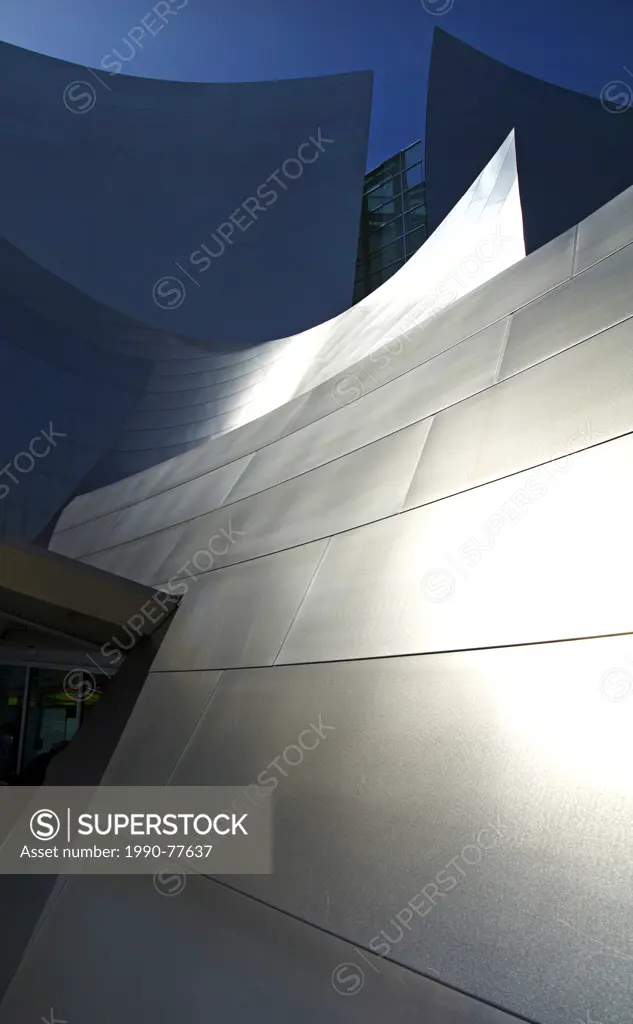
383	192
415	219
386	212
413	176
413	154
383	171
414	197
389	233
392	252
415	240
391	166
51	715
12	680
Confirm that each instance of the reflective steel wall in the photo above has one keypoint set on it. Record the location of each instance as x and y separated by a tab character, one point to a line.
135	396
425	560
192	397
574	152
137	217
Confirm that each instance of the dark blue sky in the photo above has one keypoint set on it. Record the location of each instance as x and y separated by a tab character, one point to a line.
575	43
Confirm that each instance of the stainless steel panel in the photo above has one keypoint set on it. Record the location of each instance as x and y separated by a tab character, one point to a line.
144	440
419	344
88	537
112	498
165	416
246	359
390	775
608	229
168	508
157	400
232	446
515	561
239	615
576	399
331	395
210	954
247	376
140	559
586	305
360	417
368	484
163	719
497	298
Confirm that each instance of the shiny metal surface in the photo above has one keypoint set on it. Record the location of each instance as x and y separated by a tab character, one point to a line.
579	398
586	305
227	620
512	288
177	505
469	571
242	441
608	229
432	655
192	399
211	951
301	509
421	343
438	382
362	414
164	717
394	777
139	559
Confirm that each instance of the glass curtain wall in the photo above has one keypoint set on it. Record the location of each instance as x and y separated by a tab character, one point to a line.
393	219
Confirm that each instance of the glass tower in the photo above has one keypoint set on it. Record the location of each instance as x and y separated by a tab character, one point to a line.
393	219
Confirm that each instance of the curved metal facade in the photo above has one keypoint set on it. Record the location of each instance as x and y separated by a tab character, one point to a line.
106	183
573	155
179	396
431	552
425	551
112	191
189	400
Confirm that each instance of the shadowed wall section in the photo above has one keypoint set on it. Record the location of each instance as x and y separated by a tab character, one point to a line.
111	191
573	154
